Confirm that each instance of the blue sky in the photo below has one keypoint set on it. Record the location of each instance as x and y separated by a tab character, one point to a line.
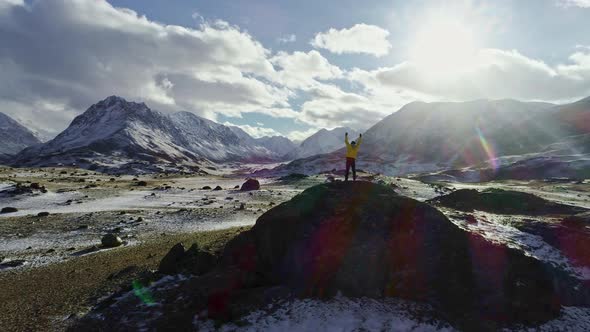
287	67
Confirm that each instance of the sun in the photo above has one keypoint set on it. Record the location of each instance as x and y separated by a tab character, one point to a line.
443	46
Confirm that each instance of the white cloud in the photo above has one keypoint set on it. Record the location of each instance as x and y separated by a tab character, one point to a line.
76	52
361	38
254	131
300	70
287	39
494	74
575	3
301	135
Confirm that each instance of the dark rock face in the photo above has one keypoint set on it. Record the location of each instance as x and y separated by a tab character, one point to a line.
169	262
8	209
217	188
365	240
192	261
250	184
503	202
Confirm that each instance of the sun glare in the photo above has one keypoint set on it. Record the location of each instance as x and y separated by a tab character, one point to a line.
443	46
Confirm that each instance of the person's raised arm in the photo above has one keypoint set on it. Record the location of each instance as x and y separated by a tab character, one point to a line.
359	140
346	139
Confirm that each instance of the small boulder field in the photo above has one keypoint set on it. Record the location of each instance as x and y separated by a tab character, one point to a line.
358	239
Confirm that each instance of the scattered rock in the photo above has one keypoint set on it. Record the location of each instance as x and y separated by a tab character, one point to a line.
111	240
242	206
206	188
13	263
217	188
43	214
250	184
8	209
141	184
237	187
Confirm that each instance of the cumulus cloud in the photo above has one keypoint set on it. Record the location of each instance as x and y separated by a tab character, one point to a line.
494	74
300	70
361	38
76	52
329	106
57	57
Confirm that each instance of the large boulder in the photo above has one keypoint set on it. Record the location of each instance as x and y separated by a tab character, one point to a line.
111	241
363	239
250	184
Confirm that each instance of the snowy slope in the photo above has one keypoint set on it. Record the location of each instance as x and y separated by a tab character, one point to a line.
14	137
115	131
220	143
324	141
427	137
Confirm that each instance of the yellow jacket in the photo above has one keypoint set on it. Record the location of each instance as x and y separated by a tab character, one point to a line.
352	151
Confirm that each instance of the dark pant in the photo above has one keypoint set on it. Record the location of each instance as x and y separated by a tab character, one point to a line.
350	162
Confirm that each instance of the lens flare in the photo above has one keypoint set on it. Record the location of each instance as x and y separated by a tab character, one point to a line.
488	149
142	293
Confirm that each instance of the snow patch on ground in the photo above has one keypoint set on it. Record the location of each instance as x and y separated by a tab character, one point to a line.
494	228
338	314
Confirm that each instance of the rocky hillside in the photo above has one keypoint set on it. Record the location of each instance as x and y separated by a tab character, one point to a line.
424	137
360	240
14	137
115	132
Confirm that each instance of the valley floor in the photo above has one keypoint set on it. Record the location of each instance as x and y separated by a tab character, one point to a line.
51	269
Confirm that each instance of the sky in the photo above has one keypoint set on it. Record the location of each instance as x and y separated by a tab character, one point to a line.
278	67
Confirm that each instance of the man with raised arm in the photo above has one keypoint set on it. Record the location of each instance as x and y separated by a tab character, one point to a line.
351	152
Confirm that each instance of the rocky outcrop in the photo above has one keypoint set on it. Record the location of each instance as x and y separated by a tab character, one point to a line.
191	261
359	239
503	202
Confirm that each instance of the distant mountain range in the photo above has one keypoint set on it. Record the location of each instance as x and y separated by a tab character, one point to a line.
117	135
14	137
473	140
430	137
115	132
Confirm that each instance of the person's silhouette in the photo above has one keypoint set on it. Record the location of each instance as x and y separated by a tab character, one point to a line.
351	153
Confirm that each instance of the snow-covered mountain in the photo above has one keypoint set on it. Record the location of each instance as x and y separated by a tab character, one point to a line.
280	145
324	141
425	137
14	137
114	132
